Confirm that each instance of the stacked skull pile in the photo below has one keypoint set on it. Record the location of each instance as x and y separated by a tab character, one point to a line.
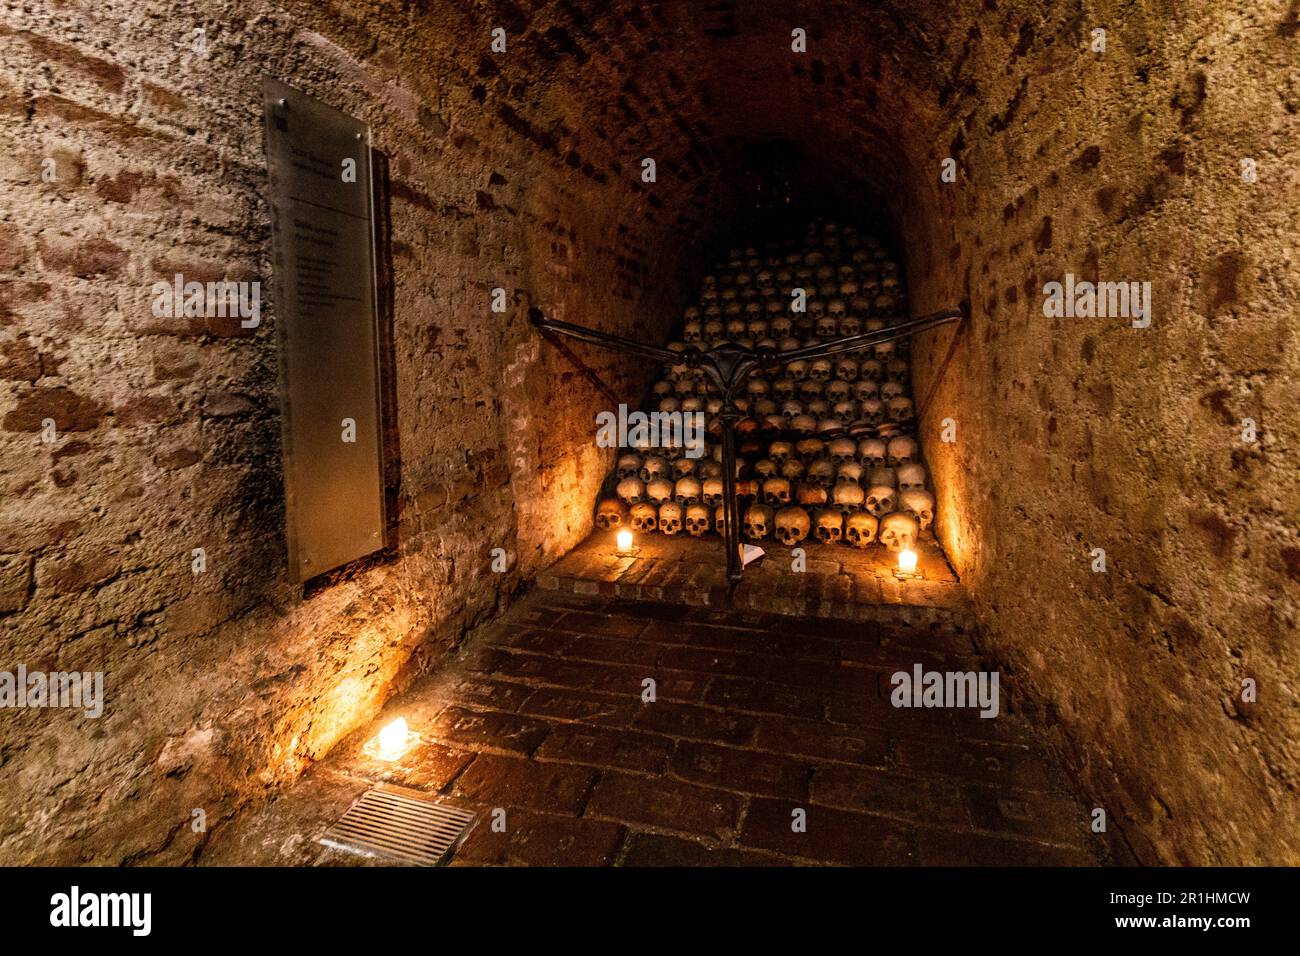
826	448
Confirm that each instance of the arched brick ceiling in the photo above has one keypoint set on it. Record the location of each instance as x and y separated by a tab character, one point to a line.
703	86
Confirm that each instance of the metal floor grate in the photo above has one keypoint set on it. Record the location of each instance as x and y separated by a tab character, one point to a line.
389	824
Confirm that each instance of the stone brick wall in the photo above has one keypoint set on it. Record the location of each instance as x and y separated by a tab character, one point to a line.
223	684
1083	433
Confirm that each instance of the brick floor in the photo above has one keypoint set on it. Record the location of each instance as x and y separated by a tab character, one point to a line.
769	740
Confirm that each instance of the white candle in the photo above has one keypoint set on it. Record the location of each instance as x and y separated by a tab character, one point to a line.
624	539
393	740
907	561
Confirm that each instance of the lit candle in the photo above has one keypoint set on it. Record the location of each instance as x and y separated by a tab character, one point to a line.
907	561
624	539
393	740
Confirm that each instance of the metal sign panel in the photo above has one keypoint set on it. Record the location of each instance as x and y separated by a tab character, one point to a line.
322	239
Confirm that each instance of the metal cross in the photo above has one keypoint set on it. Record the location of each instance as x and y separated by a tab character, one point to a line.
728	366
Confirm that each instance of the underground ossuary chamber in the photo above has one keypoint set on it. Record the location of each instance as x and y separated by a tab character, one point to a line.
785	409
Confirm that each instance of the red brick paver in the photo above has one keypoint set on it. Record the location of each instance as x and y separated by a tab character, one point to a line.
766	740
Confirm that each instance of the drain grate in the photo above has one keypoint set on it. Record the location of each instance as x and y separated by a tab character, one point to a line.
386	823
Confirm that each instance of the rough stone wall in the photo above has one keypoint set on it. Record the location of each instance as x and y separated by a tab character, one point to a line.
1083	433
222	684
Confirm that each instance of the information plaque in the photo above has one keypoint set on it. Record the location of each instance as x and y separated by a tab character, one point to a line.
323	254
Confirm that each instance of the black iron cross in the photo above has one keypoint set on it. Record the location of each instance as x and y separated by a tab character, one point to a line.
728	366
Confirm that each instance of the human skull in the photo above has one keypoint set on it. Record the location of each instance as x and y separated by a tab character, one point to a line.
693	333
872	411
898	531
821	472
911	477
663	388
631	491
783	389
793	469
827	327
684	467
890	390
654	466
821	370
697	520
829	525
780	452
880	500
812	496
687	491
872	370
850	470
847	497
810	390
844	412
902	451
842	450
896	370
919	504
644	517
765	468
846	370
711	492
838	390
850	325
670	517
871	452
860	528
720	519
900	409
629	466
810	448
882	475
865	389
792	525
797	370
610	514
659	491
758	522
776	492
804	424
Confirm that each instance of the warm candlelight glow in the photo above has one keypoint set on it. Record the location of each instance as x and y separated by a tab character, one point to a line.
391	742
907	561
624	539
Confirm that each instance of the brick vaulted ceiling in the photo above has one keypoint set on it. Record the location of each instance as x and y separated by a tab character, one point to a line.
705	87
